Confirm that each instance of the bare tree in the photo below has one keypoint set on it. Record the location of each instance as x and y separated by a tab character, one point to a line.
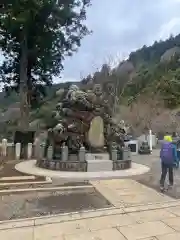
142	113
118	79
168	121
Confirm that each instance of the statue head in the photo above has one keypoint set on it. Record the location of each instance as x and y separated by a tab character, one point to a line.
73	87
90	95
59	128
59	106
110	88
54	113
97	89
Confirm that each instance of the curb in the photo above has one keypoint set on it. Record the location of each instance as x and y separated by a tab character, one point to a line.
14	178
66	217
69	189
47	181
63	217
151	206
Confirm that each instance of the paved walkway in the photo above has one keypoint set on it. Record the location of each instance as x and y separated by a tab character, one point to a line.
139	213
126	192
152	177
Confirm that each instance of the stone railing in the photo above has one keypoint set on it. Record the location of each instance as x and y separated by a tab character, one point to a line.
79	162
64	161
11	151
121	159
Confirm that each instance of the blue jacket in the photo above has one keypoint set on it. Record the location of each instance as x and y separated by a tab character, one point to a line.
175	157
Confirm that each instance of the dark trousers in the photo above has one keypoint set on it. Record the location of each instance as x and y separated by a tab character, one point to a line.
167	168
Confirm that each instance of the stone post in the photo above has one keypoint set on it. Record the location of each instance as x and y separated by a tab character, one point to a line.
50	153
126	153
64	153
82	154
114	154
4	148
17	151
37	149
41	151
29	150
150	140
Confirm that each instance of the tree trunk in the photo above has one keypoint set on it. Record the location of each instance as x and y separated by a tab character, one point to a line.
24	104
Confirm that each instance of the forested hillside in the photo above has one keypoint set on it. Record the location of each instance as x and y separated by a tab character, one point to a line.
150	72
153	69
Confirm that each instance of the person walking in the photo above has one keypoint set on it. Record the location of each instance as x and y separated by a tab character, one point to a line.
168	155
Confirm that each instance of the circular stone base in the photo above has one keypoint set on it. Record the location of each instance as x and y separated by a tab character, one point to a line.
70	166
29	167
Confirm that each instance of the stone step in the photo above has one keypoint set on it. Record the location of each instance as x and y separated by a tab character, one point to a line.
17	178
99	165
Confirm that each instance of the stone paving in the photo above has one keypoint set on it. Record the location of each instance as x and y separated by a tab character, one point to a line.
139	213
126	192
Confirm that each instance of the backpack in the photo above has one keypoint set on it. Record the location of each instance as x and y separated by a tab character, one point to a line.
166	153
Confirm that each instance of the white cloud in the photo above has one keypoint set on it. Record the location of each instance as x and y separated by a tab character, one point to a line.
171	27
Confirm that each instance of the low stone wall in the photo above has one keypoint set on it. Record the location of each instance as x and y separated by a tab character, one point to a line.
70	166
13	153
10	153
73	166
78	163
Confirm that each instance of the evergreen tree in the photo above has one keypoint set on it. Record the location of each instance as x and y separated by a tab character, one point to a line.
35	37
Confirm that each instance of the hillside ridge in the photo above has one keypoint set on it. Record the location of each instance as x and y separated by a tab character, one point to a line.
148	71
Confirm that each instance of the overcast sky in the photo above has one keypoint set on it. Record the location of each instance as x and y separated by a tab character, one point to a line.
119	27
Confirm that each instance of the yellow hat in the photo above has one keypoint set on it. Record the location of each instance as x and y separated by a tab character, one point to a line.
168	138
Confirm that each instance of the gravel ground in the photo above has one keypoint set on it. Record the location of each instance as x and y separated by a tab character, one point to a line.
39	204
8	170
151	179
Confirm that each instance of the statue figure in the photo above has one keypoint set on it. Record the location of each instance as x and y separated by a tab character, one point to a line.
72	93
79	114
97	89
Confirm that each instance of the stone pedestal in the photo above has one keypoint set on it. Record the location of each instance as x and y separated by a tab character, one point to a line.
99	165
97	156
126	154
97	162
